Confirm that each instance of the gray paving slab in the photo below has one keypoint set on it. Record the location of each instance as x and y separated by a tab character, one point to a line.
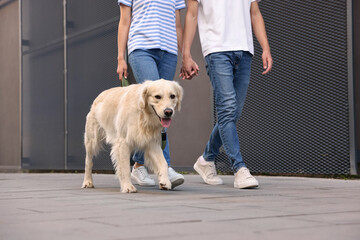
53	206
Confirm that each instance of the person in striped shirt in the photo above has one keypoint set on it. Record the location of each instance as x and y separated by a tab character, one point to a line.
152	32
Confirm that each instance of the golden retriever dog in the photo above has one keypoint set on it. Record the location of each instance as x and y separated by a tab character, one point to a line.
130	119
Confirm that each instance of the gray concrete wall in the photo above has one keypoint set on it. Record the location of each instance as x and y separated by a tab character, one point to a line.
10	152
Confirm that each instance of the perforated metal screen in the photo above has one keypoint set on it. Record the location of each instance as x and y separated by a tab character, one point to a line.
60	82
92	63
296	119
42	85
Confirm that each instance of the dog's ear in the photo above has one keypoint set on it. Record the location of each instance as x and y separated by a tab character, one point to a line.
143	95
179	92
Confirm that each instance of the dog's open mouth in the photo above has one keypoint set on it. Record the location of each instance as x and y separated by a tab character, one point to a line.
165	122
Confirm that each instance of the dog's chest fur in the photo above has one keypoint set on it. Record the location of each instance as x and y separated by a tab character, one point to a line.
146	130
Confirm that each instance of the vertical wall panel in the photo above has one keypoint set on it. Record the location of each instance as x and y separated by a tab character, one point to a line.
296	119
92	63
43	86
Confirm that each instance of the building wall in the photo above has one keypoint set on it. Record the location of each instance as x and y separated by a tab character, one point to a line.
190	129
9	86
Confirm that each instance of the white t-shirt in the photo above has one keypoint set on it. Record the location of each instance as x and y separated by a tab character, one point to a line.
225	25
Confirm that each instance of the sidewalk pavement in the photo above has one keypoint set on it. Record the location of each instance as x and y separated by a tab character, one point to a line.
53	206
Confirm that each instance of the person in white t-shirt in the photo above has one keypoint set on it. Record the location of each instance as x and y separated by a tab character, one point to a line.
225	29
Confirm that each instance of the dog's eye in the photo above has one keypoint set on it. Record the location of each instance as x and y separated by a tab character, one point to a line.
172	96
157	96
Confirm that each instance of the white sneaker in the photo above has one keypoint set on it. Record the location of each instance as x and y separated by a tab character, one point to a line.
243	179
141	176
207	171
175	178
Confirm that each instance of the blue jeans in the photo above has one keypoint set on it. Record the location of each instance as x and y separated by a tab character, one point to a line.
152	64
229	74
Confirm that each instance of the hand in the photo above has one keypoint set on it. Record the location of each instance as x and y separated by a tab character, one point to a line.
184	75
189	68
122	69
267	61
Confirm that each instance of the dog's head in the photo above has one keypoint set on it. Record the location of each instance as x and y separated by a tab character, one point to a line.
162	97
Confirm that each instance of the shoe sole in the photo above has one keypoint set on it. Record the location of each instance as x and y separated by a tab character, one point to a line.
246	186
177	182
134	179
198	170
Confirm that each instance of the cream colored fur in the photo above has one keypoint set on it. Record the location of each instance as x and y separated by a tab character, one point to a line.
125	118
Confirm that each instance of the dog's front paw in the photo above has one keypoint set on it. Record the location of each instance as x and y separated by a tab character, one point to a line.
87	184
128	189
165	185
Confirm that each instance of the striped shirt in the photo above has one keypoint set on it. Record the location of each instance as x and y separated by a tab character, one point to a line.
153	24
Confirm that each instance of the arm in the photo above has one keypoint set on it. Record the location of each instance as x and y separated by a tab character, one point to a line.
179	31
258	26
189	66
123	33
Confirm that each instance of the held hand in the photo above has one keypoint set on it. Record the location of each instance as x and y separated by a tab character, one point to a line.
122	69
184	75
189	69
267	62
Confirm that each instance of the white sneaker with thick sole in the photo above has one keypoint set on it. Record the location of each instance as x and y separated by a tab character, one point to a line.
243	179
141	176
175	178
207	171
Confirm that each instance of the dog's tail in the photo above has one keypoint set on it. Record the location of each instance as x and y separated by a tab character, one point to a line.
93	136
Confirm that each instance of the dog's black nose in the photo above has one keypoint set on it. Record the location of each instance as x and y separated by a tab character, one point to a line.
168	112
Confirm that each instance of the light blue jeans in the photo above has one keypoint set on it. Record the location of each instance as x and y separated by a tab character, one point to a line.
229	74
152	64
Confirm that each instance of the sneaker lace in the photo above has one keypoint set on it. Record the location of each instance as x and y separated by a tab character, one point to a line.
212	171
246	173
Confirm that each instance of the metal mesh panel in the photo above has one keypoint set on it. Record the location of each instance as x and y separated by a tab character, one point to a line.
42	88
42	23
296	119
88	15
52	115
92	63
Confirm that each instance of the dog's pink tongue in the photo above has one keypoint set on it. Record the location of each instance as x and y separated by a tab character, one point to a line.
165	122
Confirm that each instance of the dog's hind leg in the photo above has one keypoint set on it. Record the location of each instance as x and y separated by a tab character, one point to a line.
154	158
120	155
92	138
